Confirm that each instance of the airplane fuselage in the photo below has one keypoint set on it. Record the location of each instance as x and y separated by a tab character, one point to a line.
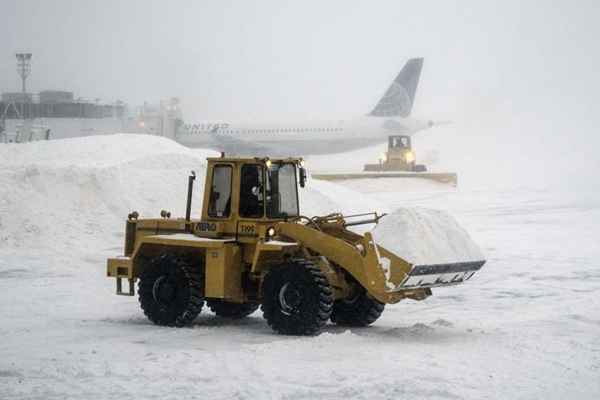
302	138
390	116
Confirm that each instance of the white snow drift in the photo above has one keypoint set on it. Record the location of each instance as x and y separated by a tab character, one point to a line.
65	193
524	327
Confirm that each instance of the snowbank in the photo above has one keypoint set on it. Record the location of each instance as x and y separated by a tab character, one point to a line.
72	193
93	151
68	194
423	236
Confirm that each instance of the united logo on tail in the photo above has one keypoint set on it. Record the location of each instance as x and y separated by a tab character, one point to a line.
398	99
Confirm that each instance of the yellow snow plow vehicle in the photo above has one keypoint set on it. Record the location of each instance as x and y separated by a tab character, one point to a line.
399	161
252	247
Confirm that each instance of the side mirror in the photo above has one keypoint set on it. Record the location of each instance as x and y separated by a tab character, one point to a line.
302	177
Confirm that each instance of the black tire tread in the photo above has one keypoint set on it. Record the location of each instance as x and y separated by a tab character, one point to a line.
309	324
363	311
194	300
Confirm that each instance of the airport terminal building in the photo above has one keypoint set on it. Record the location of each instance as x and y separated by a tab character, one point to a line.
28	116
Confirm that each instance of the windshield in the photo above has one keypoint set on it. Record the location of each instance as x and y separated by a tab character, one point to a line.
282	194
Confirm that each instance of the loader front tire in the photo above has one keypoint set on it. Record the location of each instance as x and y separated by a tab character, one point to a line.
361	310
227	309
297	298
171	290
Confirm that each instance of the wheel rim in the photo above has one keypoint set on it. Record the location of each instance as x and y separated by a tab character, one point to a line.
290	299
164	291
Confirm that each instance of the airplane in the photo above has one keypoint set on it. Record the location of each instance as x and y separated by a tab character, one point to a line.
390	116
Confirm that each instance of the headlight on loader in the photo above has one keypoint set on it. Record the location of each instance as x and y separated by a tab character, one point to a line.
270	232
409	156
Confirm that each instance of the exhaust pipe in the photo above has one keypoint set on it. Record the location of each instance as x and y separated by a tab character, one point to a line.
188	208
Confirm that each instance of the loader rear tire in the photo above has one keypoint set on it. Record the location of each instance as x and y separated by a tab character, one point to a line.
297	298
362	310
171	291
227	309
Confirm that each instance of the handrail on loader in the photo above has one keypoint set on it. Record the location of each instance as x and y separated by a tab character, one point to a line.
374	220
342	219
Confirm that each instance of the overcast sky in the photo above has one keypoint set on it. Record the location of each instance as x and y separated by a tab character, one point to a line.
260	58
520	80
522	71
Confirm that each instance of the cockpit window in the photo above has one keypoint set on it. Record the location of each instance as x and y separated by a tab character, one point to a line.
282	193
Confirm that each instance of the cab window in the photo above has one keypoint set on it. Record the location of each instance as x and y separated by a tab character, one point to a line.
282	193
219	205
251	191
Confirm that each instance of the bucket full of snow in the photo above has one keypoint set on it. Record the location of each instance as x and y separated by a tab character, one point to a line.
420	248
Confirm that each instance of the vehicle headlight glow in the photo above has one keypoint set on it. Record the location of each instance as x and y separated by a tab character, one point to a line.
270	232
268	163
409	156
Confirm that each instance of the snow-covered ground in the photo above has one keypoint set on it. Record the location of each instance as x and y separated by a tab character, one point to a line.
526	326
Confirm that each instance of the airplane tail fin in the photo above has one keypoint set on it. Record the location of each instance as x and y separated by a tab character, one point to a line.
398	99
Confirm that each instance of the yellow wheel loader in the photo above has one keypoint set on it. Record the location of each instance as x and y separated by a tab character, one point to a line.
252	247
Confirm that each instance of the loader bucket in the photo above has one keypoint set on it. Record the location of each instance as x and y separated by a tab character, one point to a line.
429	250
402	275
409	252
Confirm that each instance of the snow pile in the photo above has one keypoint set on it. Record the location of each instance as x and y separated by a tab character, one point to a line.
93	151
68	194
73	193
423	236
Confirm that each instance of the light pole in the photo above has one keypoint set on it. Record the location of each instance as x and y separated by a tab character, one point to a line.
23	69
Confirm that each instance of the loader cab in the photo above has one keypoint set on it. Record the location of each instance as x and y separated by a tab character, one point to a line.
244	196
